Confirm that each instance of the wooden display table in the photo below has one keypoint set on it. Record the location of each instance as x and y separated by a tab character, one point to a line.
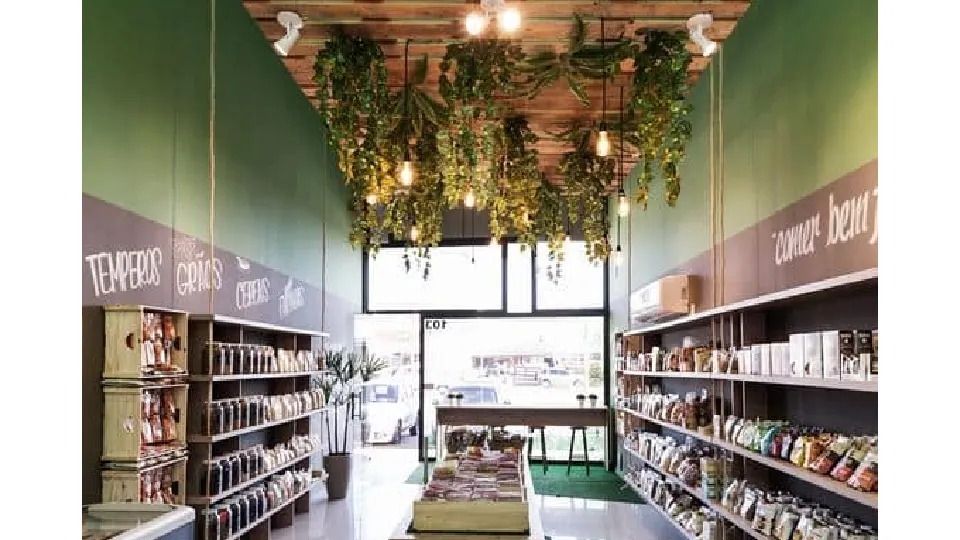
533	512
514	415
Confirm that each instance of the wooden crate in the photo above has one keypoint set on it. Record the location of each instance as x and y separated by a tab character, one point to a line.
471	516
122	421
123	485
123	333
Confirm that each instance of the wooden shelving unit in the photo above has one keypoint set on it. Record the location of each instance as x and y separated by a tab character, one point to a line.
842	303
208	386
144	392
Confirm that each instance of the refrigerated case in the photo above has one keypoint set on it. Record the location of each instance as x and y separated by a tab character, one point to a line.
134	521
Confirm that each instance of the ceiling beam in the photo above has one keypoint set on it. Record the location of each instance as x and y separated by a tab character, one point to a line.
451	9
444	31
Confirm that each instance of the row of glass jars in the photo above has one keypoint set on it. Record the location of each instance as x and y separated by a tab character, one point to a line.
232	359
226	415
223	473
287	405
240	512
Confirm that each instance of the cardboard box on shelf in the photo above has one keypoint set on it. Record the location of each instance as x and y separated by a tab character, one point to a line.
781	359
766	360
796	355
863	351
831	354
813	355
849	360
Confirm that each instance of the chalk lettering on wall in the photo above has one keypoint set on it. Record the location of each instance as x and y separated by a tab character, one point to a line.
121	271
796	241
199	274
849	219
253	292
292	298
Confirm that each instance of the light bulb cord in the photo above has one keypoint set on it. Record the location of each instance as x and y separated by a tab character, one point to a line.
603	90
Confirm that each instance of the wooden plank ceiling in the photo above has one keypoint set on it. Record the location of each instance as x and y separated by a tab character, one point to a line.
430	25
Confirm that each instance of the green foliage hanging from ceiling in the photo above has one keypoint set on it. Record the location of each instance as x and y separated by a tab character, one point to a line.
473	142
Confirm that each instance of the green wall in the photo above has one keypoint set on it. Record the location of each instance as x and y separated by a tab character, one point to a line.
278	191
799	108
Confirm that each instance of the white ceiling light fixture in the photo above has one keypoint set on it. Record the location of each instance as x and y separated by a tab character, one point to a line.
292	23
696	25
508	19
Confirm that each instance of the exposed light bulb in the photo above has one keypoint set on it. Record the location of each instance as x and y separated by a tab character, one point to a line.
406	173
372	198
414	233
469	199
603	143
475	23
623	205
618	257
509	19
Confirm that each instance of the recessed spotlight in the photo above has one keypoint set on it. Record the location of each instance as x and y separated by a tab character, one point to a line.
292	23
696	25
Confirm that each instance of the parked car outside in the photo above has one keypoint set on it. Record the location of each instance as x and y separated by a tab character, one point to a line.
389	410
560	378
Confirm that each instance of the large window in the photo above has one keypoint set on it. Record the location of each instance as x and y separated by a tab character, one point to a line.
468	278
528	361
580	285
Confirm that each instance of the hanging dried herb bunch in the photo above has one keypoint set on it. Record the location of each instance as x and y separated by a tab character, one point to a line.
587	180
659	111
580	61
355	106
551	226
473	75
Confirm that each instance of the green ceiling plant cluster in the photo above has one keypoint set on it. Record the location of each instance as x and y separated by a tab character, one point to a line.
587	179
580	61
658	113
472	141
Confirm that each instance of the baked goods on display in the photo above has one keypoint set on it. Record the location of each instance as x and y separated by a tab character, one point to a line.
157	341
477	474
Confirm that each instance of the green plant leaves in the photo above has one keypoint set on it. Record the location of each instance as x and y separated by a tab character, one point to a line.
470	139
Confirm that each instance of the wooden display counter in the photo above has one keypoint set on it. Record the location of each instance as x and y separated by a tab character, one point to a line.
478	515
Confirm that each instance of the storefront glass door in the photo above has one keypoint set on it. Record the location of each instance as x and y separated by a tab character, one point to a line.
518	361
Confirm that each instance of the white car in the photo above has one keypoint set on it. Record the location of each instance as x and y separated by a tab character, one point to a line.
389	410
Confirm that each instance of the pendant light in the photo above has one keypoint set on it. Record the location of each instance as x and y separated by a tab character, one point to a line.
372	198
414	233
469	200
623	204
603	138
406	169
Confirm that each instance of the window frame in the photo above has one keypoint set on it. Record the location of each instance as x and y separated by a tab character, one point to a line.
503	310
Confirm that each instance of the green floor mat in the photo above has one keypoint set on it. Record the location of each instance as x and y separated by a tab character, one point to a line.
601	484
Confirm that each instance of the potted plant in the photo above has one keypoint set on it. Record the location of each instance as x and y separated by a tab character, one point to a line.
343	370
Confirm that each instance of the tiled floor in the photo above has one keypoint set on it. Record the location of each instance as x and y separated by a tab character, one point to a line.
380	499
